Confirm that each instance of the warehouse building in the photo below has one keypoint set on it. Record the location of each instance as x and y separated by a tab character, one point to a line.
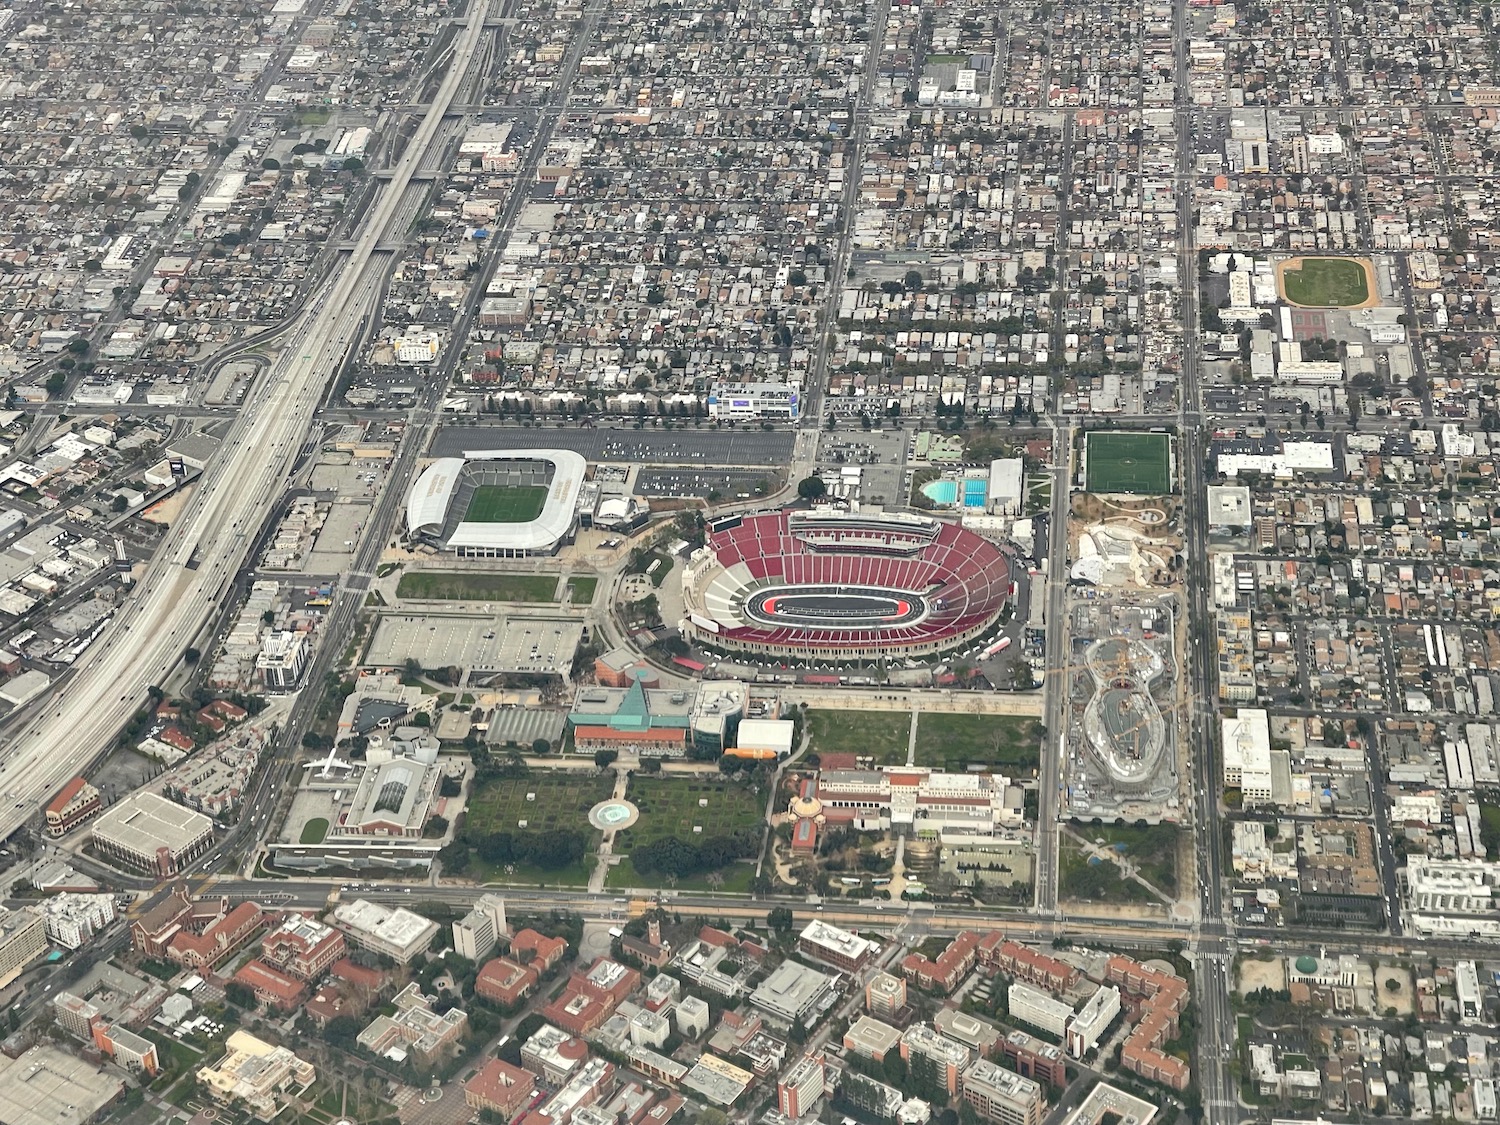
150	833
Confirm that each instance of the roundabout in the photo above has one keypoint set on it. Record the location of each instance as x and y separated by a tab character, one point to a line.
613	815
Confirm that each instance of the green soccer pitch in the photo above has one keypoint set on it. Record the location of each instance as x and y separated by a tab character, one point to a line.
495	503
1126	462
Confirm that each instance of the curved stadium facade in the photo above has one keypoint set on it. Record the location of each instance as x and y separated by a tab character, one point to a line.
839	585
441	508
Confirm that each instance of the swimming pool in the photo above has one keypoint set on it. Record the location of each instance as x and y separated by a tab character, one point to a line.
975	492
941	491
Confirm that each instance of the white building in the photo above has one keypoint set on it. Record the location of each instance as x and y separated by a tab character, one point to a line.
399	934
1092	1020
282	660
417	347
1034	1007
478	931
1246	740
751	401
73	919
1005	489
1453	898
1466	989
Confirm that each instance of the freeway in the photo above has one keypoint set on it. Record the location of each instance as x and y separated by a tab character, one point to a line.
73	723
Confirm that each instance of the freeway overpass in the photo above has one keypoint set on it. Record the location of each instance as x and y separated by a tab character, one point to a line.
71	725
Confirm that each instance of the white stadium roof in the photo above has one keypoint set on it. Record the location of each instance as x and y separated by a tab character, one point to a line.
430	497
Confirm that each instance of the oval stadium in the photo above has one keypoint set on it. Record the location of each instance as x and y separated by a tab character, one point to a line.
839	585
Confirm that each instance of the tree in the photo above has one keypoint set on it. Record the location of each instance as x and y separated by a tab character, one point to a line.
190	655
812	488
780	919
912	281
541	746
119	503
240	995
605	758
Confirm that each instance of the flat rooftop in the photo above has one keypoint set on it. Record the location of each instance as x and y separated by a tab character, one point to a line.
46	1086
147	821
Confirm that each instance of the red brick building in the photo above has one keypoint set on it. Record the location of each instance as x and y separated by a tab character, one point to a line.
271	986
77	802
1026	964
591	997
1155	1000
530	947
302	947
219	939
1034	1058
500	1088
944	973
161	921
506	982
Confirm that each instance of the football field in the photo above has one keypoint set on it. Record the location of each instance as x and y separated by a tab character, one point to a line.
495	503
1139	463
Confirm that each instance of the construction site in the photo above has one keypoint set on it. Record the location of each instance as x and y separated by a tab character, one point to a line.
1121	742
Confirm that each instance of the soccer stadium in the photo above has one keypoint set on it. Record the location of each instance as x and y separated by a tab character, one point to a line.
497	504
842	586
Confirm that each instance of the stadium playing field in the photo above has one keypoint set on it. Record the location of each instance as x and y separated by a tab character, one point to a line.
1326	282
1129	462
497	503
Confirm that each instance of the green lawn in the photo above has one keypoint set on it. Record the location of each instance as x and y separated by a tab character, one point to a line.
476	586
734	879
1009	744
575	875
1489	829
315	830
882	735
1081	880
550	799
583	587
669	807
1326	283
1153	849
498	503
1129	462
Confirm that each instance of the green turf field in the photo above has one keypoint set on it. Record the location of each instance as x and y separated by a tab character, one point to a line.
496	503
1129	462
1326	283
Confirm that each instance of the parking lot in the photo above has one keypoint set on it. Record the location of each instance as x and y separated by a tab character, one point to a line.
706	446
877	453
727	484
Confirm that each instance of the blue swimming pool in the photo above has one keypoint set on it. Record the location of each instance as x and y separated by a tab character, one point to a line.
975	492
941	491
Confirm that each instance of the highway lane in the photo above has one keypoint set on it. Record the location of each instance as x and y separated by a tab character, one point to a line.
1213	948
1052	778
74	722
